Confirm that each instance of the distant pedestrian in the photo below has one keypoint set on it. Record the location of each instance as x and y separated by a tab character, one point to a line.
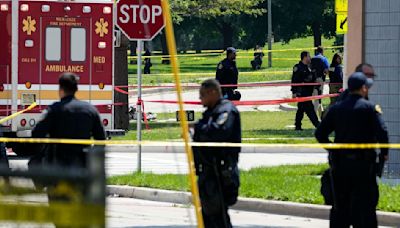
258	56
217	167
320	67
354	120
227	75
147	62
335	76
302	74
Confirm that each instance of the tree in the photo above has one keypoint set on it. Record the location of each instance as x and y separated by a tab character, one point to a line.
294	19
222	13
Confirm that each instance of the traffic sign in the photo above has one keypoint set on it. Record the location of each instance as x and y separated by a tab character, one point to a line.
341	24
341	6
140	19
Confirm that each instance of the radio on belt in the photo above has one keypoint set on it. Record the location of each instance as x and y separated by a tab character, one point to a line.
189	115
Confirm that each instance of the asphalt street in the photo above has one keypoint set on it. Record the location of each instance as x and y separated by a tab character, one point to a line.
123	160
173	160
248	94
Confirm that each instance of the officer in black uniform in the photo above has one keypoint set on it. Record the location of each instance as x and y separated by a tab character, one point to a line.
227	74
69	118
216	167
355	190
303	74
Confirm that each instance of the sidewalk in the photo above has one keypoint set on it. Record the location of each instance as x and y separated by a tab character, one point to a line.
245	204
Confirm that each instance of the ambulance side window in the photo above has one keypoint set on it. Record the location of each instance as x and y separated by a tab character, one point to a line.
78	44
53	44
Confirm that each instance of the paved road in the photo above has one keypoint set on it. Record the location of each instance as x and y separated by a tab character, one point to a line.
156	162
125	212
123	160
259	93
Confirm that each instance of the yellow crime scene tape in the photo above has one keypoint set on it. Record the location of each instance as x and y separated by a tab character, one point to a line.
220	52
33	105
171	43
62	214
241	73
93	142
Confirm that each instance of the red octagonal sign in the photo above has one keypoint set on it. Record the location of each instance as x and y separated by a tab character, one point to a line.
140	19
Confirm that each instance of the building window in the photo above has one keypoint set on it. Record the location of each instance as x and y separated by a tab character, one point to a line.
53	44
78	44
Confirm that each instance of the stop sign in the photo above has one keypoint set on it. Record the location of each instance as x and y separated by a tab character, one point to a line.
140	19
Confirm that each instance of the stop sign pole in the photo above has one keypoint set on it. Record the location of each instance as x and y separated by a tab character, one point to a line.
140	20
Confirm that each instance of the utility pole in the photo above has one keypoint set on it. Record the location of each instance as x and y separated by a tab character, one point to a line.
269	33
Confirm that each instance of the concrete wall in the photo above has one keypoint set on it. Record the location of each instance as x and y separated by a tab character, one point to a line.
382	50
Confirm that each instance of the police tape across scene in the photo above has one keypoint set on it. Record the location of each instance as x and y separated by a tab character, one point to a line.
197	144
221	52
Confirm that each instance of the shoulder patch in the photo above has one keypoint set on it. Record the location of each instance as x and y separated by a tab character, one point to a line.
295	69
378	109
222	118
220	66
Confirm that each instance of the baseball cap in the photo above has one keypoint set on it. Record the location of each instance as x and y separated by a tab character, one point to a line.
231	50
357	80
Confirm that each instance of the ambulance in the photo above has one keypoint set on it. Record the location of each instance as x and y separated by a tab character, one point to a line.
39	40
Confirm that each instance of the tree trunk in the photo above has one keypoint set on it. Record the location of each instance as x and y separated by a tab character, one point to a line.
227	33
316	29
121	117
164	47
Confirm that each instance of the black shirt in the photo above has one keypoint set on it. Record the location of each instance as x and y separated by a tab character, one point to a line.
302	74
70	119
227	74
354	120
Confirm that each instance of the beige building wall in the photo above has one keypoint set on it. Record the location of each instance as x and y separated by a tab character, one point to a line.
354	42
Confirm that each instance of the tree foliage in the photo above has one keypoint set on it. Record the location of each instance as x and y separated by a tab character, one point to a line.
293	19
243	23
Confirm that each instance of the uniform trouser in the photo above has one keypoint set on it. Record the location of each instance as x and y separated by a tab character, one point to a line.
332	90
356	195
214	206
4	159
318	90
308	108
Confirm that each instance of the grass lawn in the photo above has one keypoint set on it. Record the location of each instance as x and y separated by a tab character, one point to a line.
282	61
257	127
296	183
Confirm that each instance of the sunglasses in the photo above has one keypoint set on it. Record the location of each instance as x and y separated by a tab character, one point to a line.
370	75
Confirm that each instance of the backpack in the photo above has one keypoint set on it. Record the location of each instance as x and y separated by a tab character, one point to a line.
317	68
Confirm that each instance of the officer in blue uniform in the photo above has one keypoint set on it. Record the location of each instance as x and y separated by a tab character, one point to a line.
228	74
216	167
303	74
355	190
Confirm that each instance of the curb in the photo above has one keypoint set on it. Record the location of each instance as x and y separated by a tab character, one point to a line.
287	108
245	204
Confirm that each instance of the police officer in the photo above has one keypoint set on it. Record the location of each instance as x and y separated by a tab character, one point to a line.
227	74
147	62
355	190
303	74
367	69
216	167
69	118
